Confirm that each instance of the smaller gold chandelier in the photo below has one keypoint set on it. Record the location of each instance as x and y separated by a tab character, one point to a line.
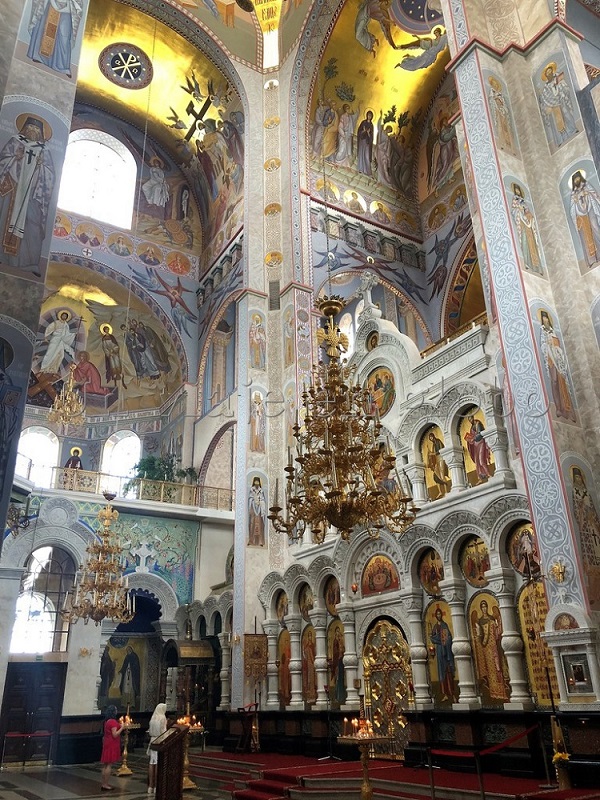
346	477
68	407
100	590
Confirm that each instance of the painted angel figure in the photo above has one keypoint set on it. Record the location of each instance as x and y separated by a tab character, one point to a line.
431	48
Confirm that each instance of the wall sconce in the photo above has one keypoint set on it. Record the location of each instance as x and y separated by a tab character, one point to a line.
357	683
354	587
85	652
558	571
236	639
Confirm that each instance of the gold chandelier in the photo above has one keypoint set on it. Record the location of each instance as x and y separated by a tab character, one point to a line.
68	407
346	477
100	590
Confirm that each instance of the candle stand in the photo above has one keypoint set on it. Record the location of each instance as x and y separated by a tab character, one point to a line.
127	726
192	727
364	741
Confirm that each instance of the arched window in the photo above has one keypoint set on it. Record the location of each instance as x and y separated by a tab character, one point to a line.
39	625
121	453
38	447
95	164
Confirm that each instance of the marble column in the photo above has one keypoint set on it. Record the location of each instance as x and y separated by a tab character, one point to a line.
502	585
454	593
453	456
413	603
224	674
346	614
318	617
272	628
416	475
497	441
294	626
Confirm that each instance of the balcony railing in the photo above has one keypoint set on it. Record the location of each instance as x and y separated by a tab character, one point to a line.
185	494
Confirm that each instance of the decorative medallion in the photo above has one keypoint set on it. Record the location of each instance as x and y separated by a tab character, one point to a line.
126	65
273	258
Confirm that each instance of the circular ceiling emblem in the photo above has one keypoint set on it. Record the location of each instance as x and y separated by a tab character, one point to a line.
126	65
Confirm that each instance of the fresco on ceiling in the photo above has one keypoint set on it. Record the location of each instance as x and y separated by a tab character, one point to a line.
584	503
465	300
555	366
580	190
124	358
501	114
525	226
167	224
192	121
478	458
556	98
377	75
228	23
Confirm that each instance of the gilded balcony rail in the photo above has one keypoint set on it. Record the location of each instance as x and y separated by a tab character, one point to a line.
185	494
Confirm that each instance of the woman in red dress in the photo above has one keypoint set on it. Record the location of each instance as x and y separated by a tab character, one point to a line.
111	745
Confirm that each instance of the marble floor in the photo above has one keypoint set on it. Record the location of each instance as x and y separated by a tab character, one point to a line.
83	781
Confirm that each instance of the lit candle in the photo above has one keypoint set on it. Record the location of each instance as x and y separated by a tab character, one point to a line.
345	726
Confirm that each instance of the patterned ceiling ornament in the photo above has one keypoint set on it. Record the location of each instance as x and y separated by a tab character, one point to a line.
126	65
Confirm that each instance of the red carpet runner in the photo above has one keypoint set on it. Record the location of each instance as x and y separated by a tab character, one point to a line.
269	776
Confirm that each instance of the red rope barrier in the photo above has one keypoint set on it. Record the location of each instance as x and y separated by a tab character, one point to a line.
487	751
506	742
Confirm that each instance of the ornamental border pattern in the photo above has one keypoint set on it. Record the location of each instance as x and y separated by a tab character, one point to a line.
548	502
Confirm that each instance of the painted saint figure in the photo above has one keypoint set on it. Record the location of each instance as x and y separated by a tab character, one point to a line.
441	637
437	465
309	672
557	368
60	343
478	448
557	106
501	117
112	356
588	523
26	184
487	630
527	232
257	514
364	146
585	213
258	424
130	682
258	343
87	375
53	26
74	460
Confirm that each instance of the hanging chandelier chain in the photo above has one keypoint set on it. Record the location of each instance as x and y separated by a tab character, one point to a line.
343	475
101	590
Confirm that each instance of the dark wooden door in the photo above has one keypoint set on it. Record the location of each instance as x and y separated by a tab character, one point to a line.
31	710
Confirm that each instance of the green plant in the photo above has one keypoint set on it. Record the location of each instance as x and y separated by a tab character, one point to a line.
190	473
153	468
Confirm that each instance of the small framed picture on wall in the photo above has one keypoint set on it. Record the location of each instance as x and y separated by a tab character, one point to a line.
577	673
